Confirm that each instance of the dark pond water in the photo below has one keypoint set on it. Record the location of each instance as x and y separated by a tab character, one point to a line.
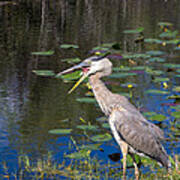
31	105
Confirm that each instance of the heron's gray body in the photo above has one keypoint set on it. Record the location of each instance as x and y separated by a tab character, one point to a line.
133	133
128	125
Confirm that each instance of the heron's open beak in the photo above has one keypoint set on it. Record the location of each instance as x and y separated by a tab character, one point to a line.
79	66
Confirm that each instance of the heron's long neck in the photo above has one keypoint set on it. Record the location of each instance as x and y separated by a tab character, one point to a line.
101	93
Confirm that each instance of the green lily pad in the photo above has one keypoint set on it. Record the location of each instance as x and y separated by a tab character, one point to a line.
90	146
122	68
176	114
83	153
165	24
155	91
176	88
169	34
106	125
72	76
101	137
149	113
160	79
169	65
156	59
60	131
134	31
135	56
176	107
44	72
69	46
139	67
157	117
121	75
86	100
71	60
150	40
87	127
155	53
154	72
43	53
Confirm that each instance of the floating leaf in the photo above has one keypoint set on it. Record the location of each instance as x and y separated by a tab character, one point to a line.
157	41
90	146
134	31
176	114
176	88
83	153
157	117
106	125
71	60
155	53
160	79
121	75
169	65
72	76
69	46
60	131
103	118
43	53
156	59
165	24
155	91
169	34
102	137
135	56
121	68
177	48
139	67
87	127
154	72
86	100
149	113
44	72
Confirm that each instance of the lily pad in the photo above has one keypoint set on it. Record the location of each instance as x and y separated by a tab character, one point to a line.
154	72
155	91
121	75
155	53
101	137
86	100
160	79
60	131
156	59
134	31
43	53
150	40
83	153
90	146
106	125
157	117
135	56
149	113
122	68
69	46
44	72
169	65
71	60
72	76
165	24
169	34
176	88
176	114
87	127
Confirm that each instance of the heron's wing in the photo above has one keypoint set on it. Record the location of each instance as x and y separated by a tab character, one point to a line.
136	132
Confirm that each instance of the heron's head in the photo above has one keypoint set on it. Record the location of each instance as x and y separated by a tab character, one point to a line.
91	66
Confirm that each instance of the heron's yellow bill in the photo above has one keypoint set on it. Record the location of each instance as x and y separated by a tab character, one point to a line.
77	83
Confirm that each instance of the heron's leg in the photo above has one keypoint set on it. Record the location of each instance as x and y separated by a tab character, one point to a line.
124	148
136	169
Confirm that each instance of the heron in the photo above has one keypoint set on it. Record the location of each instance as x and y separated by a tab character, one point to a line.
131	130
